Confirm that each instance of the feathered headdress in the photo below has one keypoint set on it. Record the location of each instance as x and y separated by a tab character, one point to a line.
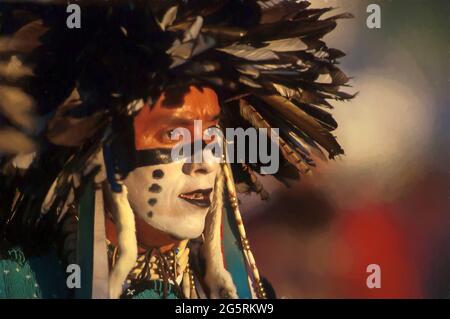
61	88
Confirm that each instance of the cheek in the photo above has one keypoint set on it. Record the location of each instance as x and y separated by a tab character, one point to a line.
161	187
145	187
155	191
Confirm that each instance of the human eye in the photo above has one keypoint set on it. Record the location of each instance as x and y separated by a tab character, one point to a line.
169	135
212	133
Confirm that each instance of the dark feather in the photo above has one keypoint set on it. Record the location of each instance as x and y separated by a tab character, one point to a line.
304	122
270	53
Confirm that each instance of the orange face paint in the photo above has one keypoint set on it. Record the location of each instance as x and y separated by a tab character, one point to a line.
153	125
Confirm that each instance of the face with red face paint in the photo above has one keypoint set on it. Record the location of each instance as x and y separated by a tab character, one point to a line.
173	197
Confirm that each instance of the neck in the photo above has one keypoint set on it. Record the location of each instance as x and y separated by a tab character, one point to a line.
147	236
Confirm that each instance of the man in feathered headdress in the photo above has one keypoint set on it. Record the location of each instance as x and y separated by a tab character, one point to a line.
88	115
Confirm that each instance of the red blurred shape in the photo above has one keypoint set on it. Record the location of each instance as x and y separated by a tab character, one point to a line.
372	235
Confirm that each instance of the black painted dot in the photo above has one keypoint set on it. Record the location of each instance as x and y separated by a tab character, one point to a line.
155	188
150	214
152	201
158	174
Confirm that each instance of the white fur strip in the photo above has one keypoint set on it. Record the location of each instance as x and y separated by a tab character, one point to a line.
217	277
126	234
212	246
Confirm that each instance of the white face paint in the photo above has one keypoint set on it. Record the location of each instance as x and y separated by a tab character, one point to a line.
174	197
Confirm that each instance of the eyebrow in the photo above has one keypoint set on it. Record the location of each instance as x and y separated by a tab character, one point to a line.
187	121
215	117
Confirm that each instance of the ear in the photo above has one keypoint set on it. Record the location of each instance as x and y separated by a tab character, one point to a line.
66	130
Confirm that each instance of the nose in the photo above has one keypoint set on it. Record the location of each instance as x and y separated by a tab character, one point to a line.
203	166
198	169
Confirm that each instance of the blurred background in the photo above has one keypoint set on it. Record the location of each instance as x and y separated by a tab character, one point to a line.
387	201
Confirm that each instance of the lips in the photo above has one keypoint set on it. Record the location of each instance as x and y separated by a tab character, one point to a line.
199	197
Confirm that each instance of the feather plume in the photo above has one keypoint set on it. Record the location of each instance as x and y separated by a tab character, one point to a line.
256	120
270	54
304	122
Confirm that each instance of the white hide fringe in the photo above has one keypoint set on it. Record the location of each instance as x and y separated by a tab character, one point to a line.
217	277
127	242
212	242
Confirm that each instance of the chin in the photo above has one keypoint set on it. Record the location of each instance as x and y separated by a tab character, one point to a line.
189	230
188	227
188	234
